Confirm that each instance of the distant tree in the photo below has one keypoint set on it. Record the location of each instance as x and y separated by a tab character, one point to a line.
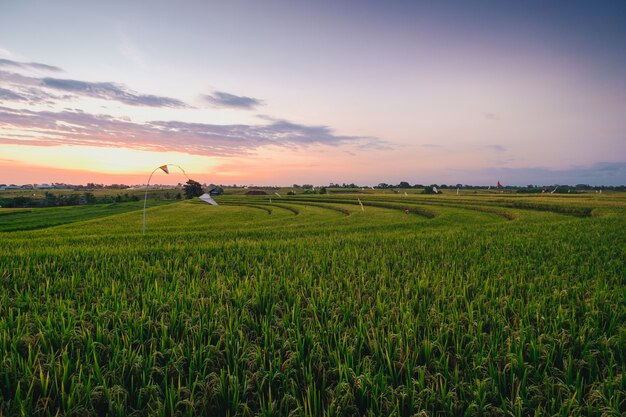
291	193
90	198
296	186
323	190
71	200
21	202
192	189
50	199
430	190
404	184
307	186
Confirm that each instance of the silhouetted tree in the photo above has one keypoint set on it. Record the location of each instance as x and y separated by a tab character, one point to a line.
192	189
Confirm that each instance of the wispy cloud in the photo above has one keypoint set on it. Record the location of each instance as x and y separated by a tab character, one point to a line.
45	128
9	95
37	90
28	65
222	99
24	91
76	127
111	91
497	148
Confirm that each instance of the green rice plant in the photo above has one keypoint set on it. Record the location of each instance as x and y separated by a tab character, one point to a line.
311	306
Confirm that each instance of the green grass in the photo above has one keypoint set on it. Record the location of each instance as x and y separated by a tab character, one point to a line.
39	218
490	305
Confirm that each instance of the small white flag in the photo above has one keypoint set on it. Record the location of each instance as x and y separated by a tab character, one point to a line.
207	199
277	194
362	209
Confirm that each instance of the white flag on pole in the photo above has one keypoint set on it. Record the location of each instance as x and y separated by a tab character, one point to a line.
207	199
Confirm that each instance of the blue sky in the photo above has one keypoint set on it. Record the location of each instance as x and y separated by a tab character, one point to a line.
343	91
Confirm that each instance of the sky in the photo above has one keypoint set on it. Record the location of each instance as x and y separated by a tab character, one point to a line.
283	92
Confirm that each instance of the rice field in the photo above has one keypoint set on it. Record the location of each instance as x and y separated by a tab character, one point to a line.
491	305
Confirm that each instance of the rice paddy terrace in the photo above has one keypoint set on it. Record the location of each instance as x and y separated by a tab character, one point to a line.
314	305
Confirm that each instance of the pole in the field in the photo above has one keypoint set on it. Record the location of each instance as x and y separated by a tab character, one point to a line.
165	169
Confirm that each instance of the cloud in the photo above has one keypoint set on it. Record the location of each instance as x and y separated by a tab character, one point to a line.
37	90
244	138
222	99
46	128
8	95
111	91
26	94
497	148
28	65
75	127
18	79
